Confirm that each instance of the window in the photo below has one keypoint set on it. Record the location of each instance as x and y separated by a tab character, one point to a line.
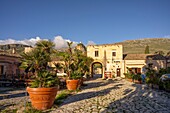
117	62
113	53
135	70
96	53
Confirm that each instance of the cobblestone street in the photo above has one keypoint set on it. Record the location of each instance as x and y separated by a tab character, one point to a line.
118	95
102	96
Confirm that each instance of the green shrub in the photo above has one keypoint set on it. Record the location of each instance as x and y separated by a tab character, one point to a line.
138	77
168	69
155	80
75	75
166	85
128	75
148	80
61	96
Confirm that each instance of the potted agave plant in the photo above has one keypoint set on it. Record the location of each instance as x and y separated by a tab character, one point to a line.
44	84
76	64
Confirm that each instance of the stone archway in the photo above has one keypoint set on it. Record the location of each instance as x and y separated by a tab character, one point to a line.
97	69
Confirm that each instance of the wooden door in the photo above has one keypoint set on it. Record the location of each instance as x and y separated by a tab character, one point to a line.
118	72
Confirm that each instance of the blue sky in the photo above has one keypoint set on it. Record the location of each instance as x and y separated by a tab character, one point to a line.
100	21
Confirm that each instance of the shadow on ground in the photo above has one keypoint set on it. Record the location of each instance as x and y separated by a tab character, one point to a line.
136	98
92	94
98	84
9	96
141	100
6	94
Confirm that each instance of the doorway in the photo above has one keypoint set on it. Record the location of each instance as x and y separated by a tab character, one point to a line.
97	70
118	72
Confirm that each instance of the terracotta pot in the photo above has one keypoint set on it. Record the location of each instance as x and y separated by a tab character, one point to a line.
42	98
72	84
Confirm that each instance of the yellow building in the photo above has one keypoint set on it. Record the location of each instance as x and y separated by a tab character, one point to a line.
112	59
110	56
28	49
138	62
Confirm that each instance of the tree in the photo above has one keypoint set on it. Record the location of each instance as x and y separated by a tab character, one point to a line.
82	62
147	49
69	47
75	62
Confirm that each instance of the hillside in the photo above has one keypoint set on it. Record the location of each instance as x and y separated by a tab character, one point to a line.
129	46
8	48
138	46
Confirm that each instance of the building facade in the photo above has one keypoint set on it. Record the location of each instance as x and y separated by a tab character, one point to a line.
9	65
110	56
112	60
10	59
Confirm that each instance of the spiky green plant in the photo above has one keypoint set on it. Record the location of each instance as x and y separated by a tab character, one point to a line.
76	64
37	61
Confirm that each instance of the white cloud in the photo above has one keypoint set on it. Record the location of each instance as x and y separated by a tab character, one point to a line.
8	41
167	36
31	41
91	43
59	41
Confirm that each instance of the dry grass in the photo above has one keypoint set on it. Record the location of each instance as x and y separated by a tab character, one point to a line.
138	46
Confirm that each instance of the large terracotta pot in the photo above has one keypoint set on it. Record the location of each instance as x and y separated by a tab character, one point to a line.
72	84
42	98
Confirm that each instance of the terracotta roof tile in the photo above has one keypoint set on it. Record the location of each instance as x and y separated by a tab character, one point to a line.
135	56
143	57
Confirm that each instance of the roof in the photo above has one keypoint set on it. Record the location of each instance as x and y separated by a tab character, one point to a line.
135	56
5	62
143	57
106	44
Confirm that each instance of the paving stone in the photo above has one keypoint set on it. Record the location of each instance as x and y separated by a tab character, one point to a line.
109	96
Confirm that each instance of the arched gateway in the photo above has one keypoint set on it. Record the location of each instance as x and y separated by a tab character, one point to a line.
108	60
97	69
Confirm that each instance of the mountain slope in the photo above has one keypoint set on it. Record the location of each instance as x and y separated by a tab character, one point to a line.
138	46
